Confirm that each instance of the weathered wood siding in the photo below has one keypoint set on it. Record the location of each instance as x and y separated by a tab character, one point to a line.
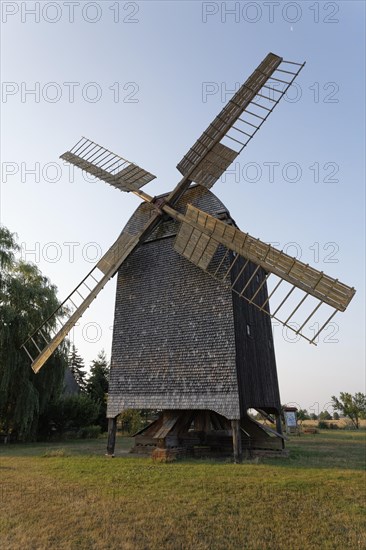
256	362
174	338
179	337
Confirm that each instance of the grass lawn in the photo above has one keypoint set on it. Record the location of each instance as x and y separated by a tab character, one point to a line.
83	500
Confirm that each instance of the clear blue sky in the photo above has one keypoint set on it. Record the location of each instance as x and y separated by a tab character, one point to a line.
150	63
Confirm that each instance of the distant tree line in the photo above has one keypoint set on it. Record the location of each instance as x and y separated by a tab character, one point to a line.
346	405
80	410
351	406
302	414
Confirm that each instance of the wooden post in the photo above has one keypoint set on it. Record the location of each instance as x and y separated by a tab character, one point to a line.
279	428
202	423
112	428
199	422
207	426
238	455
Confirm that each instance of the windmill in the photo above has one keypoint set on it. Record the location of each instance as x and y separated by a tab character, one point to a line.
194	338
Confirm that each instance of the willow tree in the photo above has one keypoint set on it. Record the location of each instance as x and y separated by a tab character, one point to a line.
26	298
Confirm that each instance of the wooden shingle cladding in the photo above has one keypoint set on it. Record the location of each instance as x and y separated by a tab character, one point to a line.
178	339
255	355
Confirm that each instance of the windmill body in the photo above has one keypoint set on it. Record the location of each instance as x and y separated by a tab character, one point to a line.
174	336
192	332
182	341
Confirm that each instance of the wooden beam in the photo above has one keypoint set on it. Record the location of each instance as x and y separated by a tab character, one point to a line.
112	429
238	454
169	420
199	421
279	428
308	279
63	332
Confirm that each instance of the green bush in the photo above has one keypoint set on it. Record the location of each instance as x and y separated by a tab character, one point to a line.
55	453
324	415
131	421
322	425
70	414
90	432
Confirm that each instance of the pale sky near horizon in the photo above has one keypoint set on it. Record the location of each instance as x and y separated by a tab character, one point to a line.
144	79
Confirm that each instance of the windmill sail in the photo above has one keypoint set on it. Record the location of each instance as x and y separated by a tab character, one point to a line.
225	252
107	166
238	121
37	347
242	262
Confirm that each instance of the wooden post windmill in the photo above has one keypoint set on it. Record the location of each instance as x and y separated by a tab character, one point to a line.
193	338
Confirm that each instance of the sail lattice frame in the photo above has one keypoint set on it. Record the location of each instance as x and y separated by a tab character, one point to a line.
107	166
239	121
227	254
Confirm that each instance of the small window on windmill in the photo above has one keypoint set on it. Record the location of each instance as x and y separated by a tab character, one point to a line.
249	330
257	278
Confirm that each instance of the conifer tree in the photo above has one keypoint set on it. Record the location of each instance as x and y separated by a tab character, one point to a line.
77	367
97	386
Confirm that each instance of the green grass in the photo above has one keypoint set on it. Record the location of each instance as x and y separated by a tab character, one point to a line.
70	496
87	447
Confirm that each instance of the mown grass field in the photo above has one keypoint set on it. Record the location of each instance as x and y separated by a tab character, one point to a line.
83	500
